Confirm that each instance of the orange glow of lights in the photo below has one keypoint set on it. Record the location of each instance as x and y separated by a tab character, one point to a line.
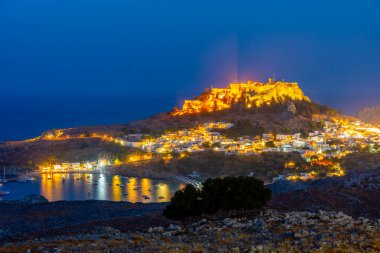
116	190
132	193
117	162
163	191
257	93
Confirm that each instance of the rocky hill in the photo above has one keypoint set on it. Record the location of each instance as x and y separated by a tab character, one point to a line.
249	95
275	106
280	106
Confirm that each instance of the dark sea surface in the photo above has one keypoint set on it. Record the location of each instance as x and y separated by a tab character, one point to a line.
27	117
79	186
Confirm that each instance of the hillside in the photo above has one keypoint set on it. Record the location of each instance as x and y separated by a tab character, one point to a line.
370	115
35	153
275	106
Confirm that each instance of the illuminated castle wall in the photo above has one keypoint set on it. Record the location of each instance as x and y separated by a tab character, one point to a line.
252	94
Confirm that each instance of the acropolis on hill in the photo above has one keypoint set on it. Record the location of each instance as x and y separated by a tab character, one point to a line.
251	94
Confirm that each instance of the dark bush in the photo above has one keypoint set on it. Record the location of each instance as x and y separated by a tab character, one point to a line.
229	195
184	204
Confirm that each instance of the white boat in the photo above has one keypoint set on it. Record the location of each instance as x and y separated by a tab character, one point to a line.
25	179
4	180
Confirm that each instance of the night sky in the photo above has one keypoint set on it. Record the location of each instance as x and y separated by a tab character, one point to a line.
177	48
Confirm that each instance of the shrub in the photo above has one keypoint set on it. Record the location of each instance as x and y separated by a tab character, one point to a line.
184	204
221	195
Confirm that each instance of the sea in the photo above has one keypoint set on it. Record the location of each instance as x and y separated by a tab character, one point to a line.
81	186
27	117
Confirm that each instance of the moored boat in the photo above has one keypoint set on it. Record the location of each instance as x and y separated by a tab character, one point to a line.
24	179
4	180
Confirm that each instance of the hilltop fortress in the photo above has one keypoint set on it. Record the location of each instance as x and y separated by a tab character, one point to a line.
250	95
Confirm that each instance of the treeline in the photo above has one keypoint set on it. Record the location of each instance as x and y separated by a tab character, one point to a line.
219	197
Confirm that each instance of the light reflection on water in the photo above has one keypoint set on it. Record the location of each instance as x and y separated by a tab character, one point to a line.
95	186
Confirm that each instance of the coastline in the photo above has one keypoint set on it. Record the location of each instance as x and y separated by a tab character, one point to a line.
18	218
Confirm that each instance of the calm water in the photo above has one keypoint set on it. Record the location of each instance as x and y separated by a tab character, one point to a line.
56	187
27	117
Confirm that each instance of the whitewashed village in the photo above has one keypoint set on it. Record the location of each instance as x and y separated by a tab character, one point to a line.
336	140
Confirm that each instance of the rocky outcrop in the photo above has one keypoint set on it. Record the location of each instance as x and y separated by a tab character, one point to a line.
268	232
33	199
249	95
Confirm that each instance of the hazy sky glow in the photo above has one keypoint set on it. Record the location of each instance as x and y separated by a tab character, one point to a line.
177	48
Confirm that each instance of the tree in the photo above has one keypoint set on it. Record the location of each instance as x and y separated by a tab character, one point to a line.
184	204
216	145
275	134
304	134
270	144
234	194
220	195
206	144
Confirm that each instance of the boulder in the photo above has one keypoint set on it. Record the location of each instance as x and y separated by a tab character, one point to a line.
157	229
301	233
174	227
33	199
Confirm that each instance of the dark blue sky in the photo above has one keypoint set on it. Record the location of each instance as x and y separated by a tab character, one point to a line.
177	48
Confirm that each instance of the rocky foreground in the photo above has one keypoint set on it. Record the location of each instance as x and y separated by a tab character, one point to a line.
270	231
293	222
